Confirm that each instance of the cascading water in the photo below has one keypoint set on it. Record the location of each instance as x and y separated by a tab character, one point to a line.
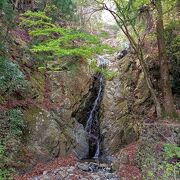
92	125
88	136
89	148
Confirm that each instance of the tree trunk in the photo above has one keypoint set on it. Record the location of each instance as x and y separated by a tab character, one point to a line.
163	60
178	7
33	4
16	4
137	48
149	84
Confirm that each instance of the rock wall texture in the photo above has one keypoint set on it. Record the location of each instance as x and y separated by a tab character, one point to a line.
126	99
51	127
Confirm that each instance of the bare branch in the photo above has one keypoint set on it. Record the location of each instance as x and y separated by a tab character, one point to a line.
92	13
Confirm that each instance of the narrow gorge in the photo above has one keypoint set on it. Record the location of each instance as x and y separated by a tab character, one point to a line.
89	90
89	114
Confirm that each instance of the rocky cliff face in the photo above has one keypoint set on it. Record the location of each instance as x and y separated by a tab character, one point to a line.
126	99
47	105
50	127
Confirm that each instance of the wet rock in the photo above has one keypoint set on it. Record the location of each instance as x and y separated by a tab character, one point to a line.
84	178
80	171
93	167
96	177
45	172
83	166
103	166
71	169
109	176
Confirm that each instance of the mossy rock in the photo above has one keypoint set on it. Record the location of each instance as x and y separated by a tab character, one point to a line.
125	64
31	116
127	133
123	106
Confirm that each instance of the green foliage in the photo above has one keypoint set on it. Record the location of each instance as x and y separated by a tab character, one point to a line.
53	12
130	17
5	174
171	151
159	165
6	7
110	75
104	34
16	122
11	78
6	21
57	42
37	15
36	20
13	134
2	45
58	7
67	7
171	168
47	32
1	150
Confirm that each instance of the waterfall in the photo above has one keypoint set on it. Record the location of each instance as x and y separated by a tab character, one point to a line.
92	125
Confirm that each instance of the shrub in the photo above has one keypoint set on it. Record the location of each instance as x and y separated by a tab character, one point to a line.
16	122
11	77
67	7
171	163
171	151
7	8
6	22
8	144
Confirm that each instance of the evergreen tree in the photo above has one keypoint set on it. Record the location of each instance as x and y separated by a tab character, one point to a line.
51	41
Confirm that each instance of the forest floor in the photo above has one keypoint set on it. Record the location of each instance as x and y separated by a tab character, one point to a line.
68	168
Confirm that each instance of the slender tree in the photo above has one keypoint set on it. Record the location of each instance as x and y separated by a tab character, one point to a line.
178	6
163	61
125	17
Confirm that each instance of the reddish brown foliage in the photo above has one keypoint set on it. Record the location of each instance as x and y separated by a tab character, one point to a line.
130	172
131	150
16	103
